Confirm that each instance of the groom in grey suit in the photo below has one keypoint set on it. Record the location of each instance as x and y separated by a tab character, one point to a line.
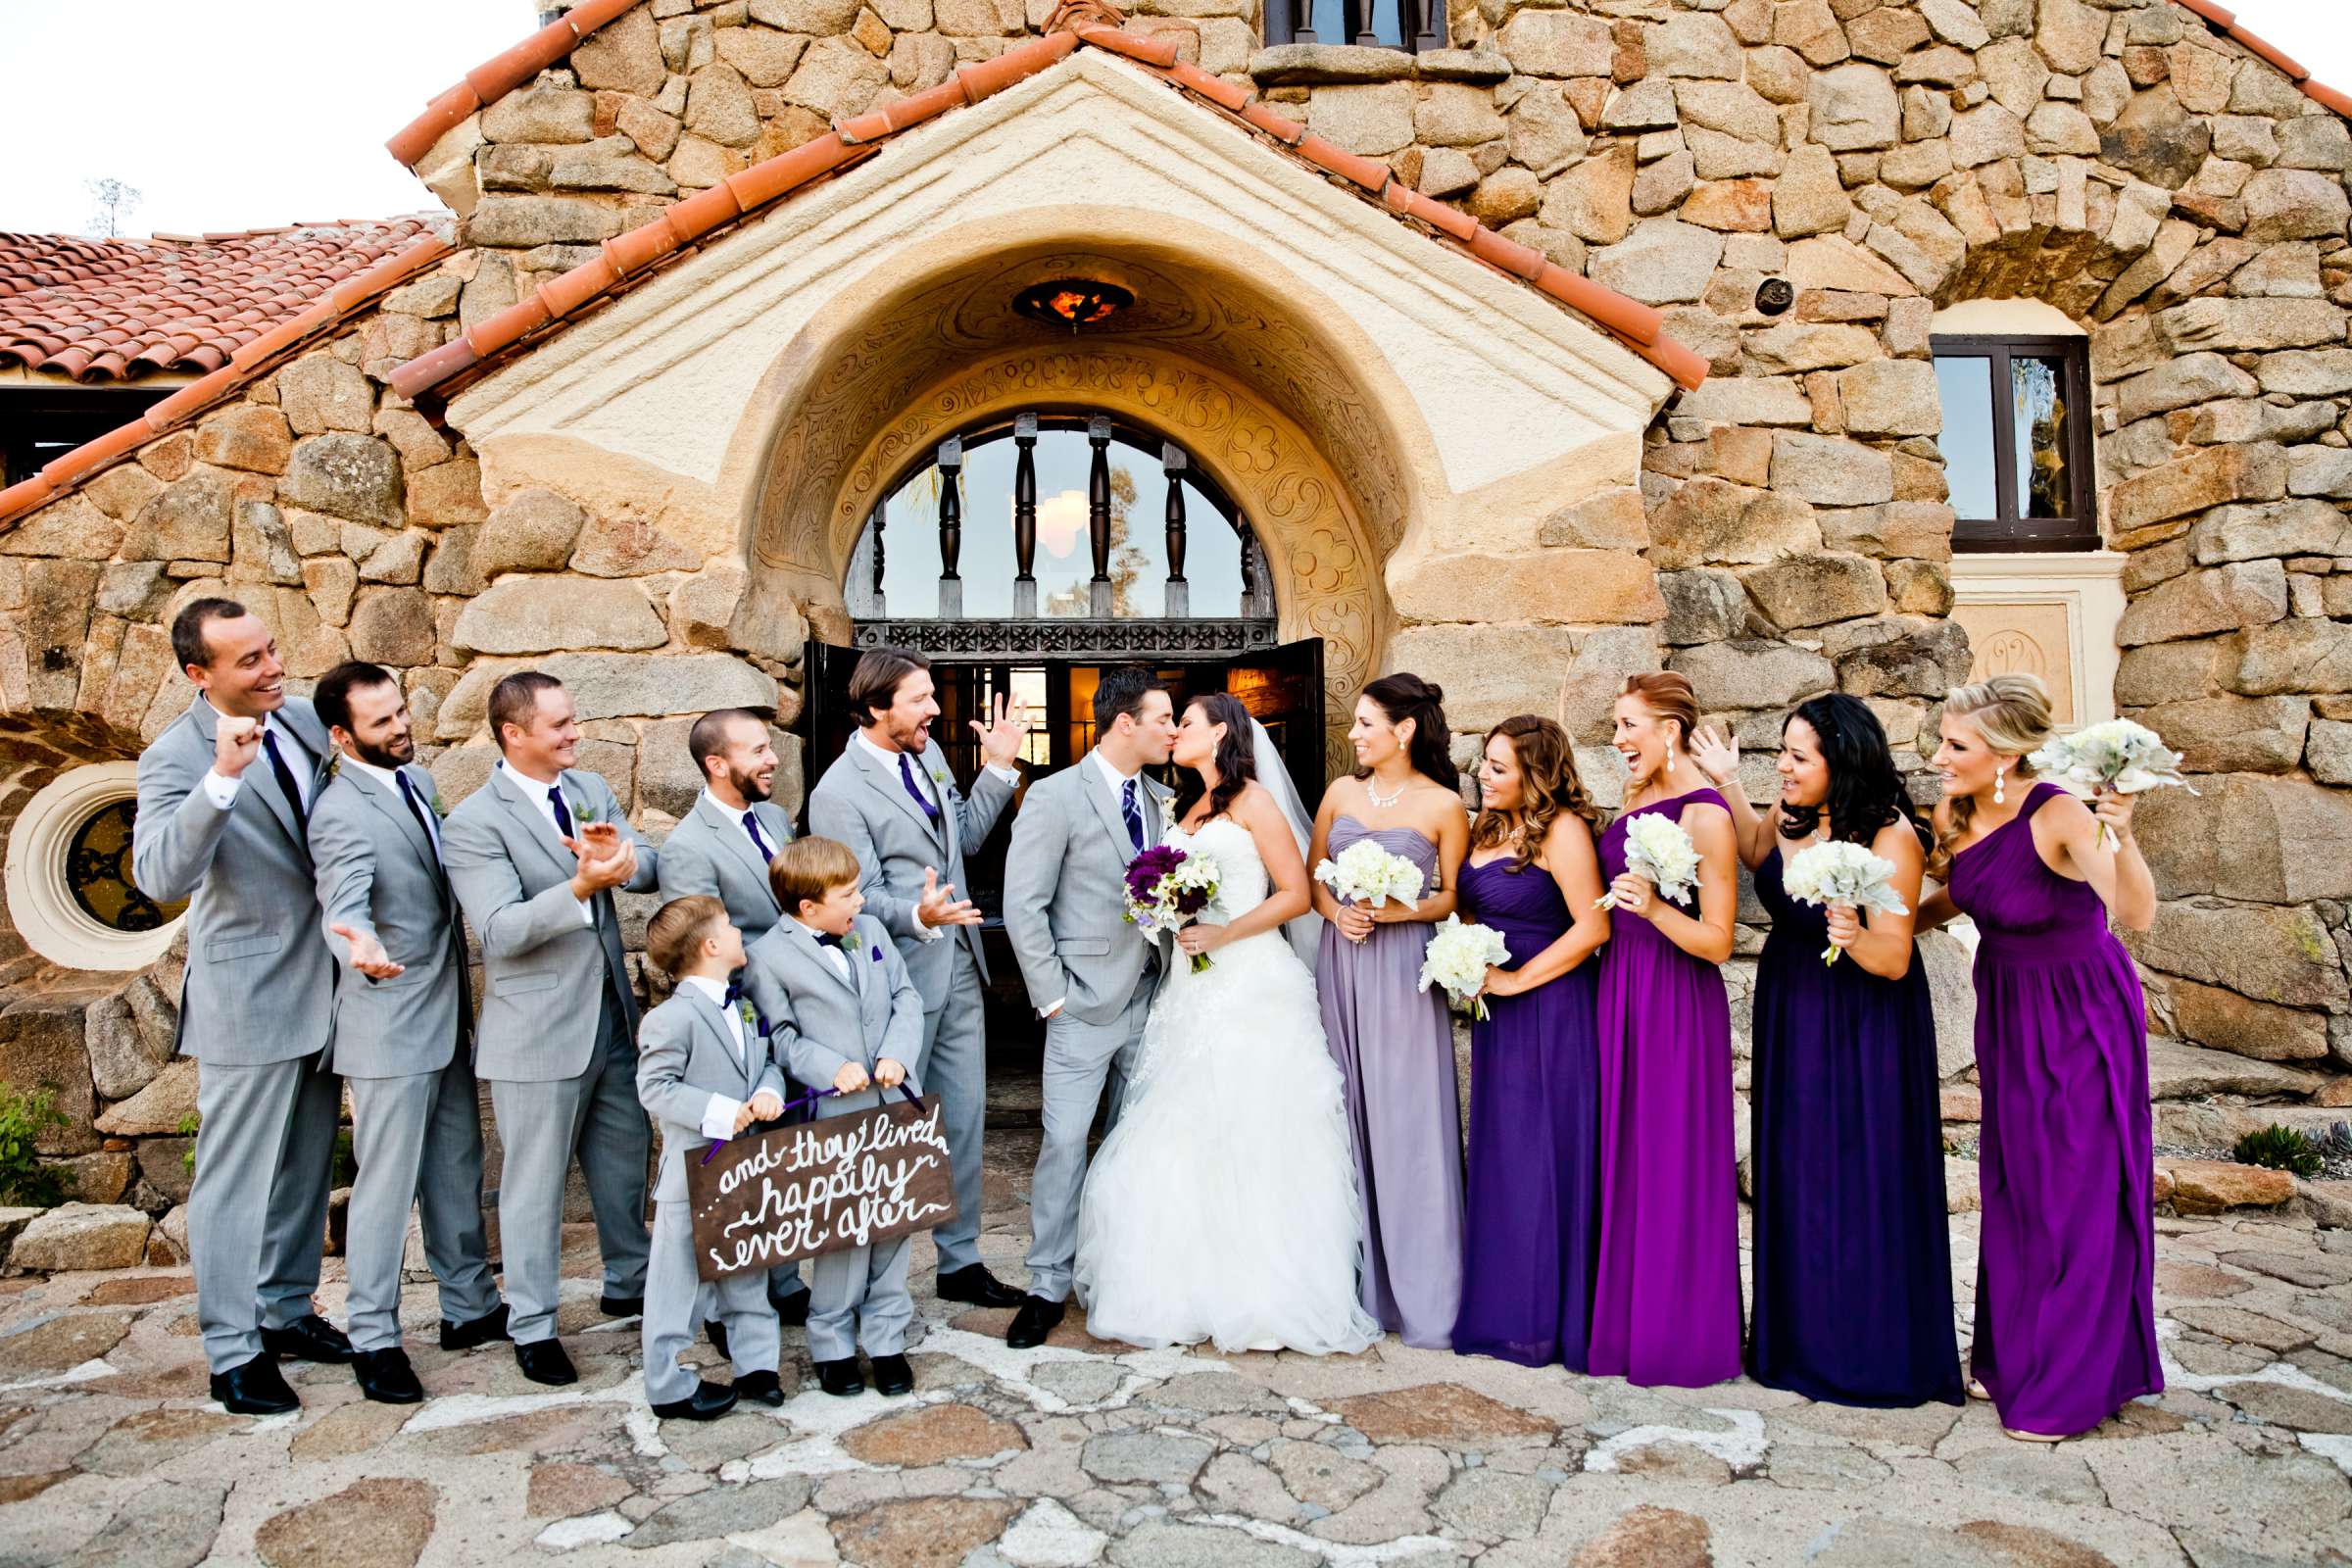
1090	973
256	1009
721	848
534	855
404	1032
892	799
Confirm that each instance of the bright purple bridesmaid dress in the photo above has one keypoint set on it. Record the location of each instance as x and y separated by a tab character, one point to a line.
1666	1296
2066	1310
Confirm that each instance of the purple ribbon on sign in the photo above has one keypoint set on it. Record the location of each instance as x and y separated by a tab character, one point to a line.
810	1098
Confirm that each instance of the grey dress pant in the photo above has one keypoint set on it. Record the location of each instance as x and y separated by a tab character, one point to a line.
954	1067
1081	1059
676	1298
543	1124
257	1209
418	1141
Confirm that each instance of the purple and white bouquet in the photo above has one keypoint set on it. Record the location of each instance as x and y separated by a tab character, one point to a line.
2118	755
1839	872
1167	890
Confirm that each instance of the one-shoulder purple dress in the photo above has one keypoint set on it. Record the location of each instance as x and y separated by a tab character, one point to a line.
2066	1309
1534	1095
1853	1264
1666	1296
1393	1043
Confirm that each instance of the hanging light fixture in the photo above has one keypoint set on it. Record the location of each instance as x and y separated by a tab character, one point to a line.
1072	302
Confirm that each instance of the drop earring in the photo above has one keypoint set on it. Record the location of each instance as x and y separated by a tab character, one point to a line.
1670	756
2000	776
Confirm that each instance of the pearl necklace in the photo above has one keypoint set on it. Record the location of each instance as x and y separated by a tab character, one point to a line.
1383	801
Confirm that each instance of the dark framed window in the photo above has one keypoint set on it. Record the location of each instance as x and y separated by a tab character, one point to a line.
1414	26
42	422
2017	442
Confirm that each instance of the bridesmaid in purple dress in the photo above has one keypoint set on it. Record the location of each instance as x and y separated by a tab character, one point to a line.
1666	1297
1853	1267
1394	1041
2066	1310
1534	1212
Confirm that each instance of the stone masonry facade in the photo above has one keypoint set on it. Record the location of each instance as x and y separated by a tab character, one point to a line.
2159	184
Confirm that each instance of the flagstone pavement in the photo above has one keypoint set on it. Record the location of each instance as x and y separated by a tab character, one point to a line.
1082	1452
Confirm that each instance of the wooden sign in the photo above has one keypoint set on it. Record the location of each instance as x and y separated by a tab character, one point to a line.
820	1186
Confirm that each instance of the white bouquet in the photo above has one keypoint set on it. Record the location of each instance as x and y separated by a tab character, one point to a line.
1839	872
1167	890
1657	848
1458	957
1365	873
2117	754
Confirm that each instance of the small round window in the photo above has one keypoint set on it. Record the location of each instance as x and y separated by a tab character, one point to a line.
69	890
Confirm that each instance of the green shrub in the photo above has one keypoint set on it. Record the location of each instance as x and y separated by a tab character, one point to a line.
187	1129
24	1117
2280	1148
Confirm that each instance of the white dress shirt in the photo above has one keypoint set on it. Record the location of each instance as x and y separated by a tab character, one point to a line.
831	945
736	815
718	1117
222	790
390	780
890	759
534	794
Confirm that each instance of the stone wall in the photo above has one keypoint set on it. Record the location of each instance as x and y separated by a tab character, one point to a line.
2117	159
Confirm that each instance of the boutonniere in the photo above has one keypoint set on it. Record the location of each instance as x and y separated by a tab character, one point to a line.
581	810
440	806
334	764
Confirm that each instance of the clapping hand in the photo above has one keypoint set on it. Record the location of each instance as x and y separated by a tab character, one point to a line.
1845	924
605	858
890	1074
1636	894
850	1079
1006	732
939	905
1717	756
236	742
766	1105
368	954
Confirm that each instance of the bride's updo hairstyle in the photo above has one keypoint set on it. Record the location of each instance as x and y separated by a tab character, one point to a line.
1236	758
2012	712
1404	696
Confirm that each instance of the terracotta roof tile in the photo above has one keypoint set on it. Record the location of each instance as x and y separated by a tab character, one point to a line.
500	75
2225	21
112	310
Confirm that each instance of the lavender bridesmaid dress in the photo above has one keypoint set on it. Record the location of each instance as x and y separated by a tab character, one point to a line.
2066	1310
1394	1046
1666	1297
1527	1270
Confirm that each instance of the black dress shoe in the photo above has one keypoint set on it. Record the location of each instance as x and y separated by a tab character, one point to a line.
841	1379
973	1282
717	1333
791	1311
892	1375
257	1388
309	1339
621	1305
1036	1319
386	1377
708	1403
544	1361
764	1387
490	1327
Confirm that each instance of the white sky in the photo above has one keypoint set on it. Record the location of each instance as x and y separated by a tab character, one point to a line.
248	113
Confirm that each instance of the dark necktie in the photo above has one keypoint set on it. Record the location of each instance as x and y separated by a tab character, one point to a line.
555	797
408	793
1133	812
750	825
923	796
285	779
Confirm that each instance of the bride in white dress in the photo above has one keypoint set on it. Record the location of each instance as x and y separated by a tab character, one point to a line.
1223	1206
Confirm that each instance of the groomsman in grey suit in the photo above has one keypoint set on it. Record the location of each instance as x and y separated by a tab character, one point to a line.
721	848
403	1027
891	798
534	855
257	1008
1089	972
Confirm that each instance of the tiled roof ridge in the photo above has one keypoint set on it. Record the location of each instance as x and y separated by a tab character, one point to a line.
500	74
249	363
1639	326
2225	21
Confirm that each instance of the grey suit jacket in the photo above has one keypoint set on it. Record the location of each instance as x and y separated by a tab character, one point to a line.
683	1057
541	964
862	802
377	874
258	989
708	852
818	1020
1065	885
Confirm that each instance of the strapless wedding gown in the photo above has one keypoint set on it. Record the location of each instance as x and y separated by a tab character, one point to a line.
1223	1206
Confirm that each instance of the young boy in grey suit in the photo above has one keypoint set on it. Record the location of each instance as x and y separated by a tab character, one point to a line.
703	1073
843	1013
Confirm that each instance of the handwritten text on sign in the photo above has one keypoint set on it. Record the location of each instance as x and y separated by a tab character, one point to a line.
842	1181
